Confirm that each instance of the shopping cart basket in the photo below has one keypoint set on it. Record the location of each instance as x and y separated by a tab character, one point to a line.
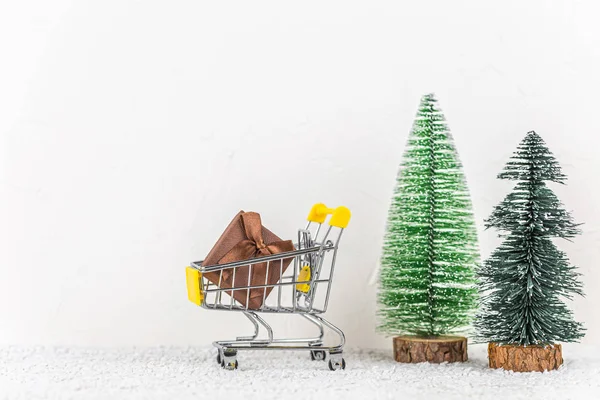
303	289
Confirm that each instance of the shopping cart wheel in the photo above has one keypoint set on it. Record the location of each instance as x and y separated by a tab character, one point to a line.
335	365
230	365
318	355
228	359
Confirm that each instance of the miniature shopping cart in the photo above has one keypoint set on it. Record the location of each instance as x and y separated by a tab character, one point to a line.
302	289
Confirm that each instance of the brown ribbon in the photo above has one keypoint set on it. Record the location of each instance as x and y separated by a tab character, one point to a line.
253	246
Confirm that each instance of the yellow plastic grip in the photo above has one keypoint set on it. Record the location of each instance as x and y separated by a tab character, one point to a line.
340	216
193	279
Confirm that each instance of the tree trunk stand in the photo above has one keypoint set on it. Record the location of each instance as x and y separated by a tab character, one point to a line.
525	358
434	349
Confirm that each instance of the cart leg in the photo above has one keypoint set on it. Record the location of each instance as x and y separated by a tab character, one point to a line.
319	325
336	361
316	355
266	326
337	330
256	328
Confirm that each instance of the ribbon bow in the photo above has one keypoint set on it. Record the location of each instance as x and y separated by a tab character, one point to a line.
253	246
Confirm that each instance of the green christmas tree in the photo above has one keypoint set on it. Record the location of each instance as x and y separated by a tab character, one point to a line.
524	279
430	254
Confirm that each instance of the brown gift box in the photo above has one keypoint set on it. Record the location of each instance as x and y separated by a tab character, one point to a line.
246	238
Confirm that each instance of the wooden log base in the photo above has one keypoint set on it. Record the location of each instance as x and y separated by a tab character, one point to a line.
434	349
525	358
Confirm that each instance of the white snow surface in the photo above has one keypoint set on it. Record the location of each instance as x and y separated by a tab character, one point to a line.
192	373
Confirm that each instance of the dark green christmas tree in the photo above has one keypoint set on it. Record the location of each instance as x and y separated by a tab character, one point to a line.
427	280
524	279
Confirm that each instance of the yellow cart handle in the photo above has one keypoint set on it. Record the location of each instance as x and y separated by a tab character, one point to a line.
340	216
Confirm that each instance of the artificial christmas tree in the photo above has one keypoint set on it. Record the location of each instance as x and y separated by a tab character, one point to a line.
522	315
427	281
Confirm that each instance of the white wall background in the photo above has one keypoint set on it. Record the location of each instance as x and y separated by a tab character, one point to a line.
132	131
